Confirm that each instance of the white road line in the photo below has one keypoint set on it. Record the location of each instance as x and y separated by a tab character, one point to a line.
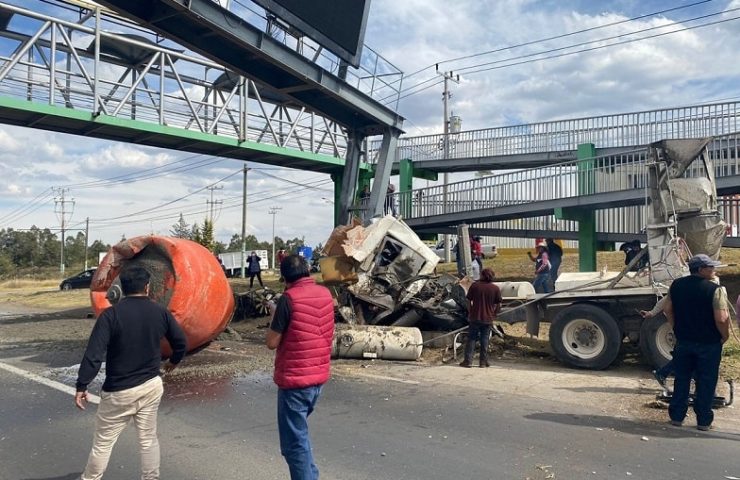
45	381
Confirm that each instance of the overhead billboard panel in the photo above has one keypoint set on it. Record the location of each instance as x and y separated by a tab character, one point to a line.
337	25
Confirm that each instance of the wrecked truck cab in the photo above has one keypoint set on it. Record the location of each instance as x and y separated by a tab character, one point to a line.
384	275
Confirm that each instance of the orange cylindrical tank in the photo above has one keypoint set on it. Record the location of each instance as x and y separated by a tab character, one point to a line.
187	279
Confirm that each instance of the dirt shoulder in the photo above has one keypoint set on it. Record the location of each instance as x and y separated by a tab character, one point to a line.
52	343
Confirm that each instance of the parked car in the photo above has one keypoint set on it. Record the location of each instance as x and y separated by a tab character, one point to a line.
489	250
81	280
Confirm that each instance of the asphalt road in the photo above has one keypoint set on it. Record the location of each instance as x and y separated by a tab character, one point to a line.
366	428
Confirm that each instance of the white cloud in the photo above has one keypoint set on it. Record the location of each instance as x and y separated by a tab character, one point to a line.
679	69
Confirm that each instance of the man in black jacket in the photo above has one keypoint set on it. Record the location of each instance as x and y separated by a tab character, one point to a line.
127	336
697	309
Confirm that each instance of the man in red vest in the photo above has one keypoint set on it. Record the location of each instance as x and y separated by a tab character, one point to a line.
301	330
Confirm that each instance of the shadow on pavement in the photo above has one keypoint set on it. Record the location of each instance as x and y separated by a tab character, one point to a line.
649	429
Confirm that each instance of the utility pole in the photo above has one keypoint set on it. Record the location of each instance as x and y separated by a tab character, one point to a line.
212	202
87	230
244	220
273	212
446	148
60	209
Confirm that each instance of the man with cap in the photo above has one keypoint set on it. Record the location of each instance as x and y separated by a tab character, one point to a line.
541	281
697	310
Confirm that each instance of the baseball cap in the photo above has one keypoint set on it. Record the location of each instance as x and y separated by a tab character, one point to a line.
701	260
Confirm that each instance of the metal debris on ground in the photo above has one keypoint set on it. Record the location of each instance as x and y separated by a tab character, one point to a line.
254	303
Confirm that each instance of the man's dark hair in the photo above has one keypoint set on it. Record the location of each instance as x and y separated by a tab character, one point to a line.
134	280
294	267
487	275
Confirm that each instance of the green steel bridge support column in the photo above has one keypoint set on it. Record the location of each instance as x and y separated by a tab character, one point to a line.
406	180
586	217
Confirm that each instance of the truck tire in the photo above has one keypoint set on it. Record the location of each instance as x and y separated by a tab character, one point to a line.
585	336
656	341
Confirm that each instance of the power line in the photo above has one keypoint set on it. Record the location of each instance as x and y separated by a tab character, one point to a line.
233	202
544	52
613	37
591	49
156	207
557	37
37	202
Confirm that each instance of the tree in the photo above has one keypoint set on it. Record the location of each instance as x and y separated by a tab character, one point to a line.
94	250
195	234
206	235
181	229
219	247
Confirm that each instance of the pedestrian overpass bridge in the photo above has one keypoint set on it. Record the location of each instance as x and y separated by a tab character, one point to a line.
93	73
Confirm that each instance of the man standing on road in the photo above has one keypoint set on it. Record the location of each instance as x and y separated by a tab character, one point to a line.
301	330
127	336
698	312
484	302
254	269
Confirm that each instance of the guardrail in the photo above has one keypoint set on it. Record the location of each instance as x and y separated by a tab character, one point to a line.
605	131
128	74
604	174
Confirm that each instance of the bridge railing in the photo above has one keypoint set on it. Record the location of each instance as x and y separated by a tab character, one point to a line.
54	61
604	174
605	131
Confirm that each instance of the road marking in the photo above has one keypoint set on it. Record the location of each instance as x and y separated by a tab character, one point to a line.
45	381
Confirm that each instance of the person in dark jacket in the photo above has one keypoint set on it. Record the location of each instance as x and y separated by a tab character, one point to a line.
301	331
555	253
698	311
484	303
254	269
127	336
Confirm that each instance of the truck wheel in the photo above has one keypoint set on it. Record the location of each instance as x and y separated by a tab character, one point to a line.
657	341
585	336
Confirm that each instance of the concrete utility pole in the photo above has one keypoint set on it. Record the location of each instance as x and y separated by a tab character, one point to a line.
87	230
273	212
60	208
244	220
446	146
211	202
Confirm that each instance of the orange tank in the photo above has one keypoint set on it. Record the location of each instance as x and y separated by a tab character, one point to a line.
187	279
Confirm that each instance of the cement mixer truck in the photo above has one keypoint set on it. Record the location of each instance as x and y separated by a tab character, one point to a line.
592	314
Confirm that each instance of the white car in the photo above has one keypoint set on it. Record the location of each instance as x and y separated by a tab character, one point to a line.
489	250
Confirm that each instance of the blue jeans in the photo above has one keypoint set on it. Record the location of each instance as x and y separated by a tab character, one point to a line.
476	331
702	361
293	408
541	282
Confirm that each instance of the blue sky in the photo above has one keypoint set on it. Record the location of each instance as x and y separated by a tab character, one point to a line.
685	68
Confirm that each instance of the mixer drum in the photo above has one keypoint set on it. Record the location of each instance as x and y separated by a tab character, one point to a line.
186	278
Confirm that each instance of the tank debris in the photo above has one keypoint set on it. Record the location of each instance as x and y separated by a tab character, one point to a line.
383	274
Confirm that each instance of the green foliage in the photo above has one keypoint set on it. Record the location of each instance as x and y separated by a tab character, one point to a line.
205	235
181	229
37	248
195	234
